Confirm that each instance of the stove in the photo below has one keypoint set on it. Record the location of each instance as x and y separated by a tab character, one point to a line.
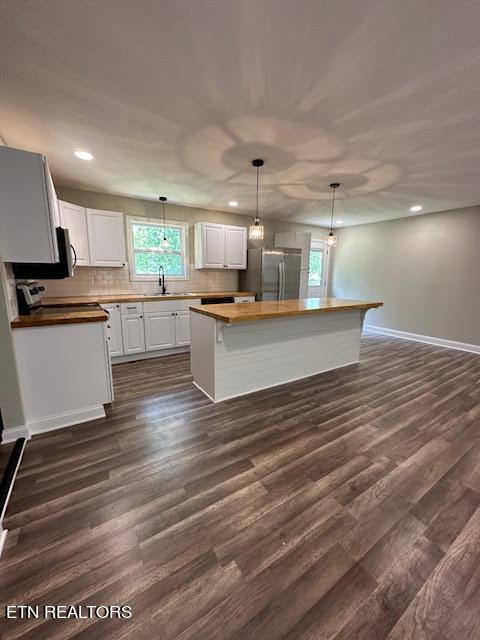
29	296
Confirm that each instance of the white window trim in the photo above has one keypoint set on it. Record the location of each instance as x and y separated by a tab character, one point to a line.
319	245
155	221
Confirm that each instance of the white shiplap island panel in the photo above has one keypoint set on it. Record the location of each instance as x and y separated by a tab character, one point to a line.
233	359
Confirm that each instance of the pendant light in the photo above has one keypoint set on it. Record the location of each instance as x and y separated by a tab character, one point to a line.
164	244
331	240
255	231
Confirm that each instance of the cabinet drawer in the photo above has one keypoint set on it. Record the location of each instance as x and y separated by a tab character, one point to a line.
169	305
129	308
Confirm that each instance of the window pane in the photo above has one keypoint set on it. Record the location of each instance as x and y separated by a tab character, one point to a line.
174	237
316	265
147	236
149	263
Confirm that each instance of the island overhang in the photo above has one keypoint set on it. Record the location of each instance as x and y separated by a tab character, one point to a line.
253	311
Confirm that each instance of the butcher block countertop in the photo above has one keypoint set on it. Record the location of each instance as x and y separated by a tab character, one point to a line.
52	316
233	313
139	297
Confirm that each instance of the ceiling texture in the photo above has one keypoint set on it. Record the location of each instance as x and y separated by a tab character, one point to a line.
177	97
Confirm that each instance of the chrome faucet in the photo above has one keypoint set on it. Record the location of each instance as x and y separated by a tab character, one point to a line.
161	279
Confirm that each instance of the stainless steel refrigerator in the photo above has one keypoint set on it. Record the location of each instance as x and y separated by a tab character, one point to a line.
273	273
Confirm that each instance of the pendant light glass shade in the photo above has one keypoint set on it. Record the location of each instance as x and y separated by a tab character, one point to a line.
255	230
164	244
331	239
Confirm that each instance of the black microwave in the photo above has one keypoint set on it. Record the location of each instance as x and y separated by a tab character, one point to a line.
50	271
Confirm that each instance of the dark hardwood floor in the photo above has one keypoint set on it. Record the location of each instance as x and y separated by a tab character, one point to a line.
341	506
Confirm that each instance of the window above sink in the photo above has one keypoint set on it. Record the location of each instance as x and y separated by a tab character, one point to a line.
145	252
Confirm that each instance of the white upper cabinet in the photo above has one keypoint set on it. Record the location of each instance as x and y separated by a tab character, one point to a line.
219	246
97	236
28	208
74	218
106	238
211	246
235	247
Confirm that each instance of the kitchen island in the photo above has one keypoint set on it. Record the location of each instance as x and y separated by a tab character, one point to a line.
238	349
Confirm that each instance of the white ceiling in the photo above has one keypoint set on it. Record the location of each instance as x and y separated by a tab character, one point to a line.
177	97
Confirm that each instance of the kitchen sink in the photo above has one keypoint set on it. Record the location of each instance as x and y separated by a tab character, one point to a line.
169	293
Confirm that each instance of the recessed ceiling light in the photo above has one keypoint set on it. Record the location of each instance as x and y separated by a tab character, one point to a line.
416	207
339	221
233	203
83	155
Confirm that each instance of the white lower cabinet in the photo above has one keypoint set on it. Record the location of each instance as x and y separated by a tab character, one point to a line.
64	373
144	327
167	324
114	330
133	331
159	330
167	329
182	328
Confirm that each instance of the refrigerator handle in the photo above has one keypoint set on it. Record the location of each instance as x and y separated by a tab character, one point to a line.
281	280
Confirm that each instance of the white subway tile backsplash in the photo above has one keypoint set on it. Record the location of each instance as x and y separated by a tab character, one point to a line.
104	280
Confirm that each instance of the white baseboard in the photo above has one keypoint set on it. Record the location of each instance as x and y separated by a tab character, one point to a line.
204	392
10	435
62	420
51	423
417	337
146	355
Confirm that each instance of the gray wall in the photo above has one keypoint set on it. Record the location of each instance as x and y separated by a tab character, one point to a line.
425	269
152	209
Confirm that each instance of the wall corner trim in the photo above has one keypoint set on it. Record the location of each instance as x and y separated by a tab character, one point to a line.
417	337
